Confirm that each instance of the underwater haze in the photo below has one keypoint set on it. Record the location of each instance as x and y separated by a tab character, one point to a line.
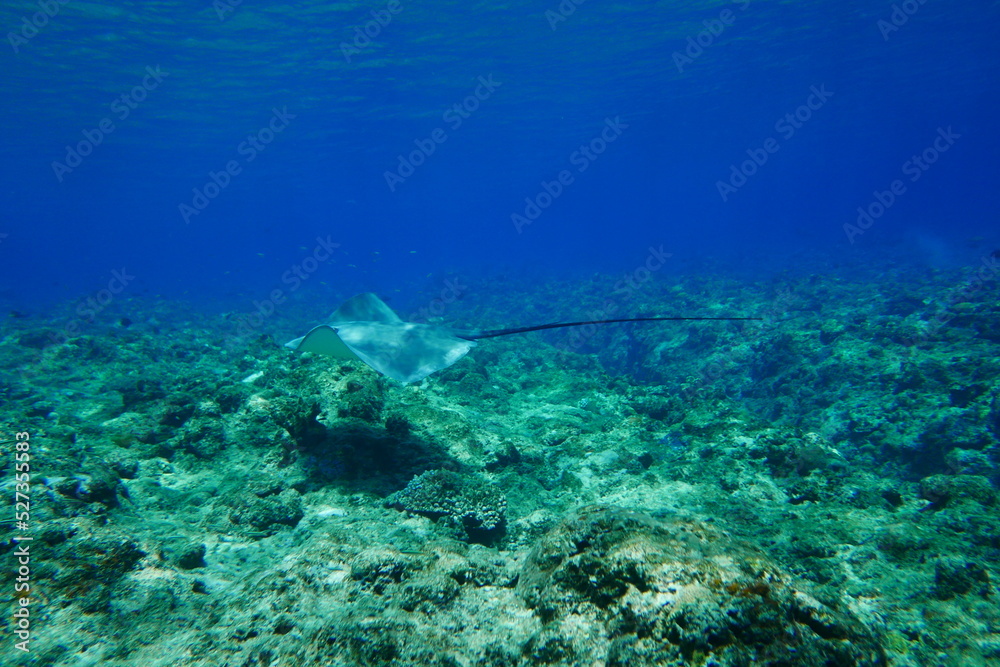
686	92
792	459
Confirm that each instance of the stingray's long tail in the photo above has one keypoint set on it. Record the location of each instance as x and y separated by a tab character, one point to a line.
493	333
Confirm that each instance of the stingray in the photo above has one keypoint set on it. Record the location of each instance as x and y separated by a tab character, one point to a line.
365	328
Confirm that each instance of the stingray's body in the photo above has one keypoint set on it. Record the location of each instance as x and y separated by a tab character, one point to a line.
366	329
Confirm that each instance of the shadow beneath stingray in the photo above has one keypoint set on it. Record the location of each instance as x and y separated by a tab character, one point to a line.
361	458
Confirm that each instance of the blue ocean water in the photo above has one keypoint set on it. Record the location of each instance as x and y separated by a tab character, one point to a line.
207	149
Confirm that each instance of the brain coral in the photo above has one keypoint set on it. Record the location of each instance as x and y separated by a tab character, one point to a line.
477	509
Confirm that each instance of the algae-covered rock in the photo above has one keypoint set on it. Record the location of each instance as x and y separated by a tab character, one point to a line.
903	541
958	576
134	430
362	396
971	462
428	591
942	490
791	453
672	591
267	515
135	391
955	428
378	568
91	566
96	483
191	556
477	509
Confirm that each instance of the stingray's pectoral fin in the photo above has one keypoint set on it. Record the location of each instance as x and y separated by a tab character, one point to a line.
322	340
405	352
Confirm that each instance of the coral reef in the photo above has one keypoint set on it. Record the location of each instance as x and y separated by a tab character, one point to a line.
477	509
818	488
